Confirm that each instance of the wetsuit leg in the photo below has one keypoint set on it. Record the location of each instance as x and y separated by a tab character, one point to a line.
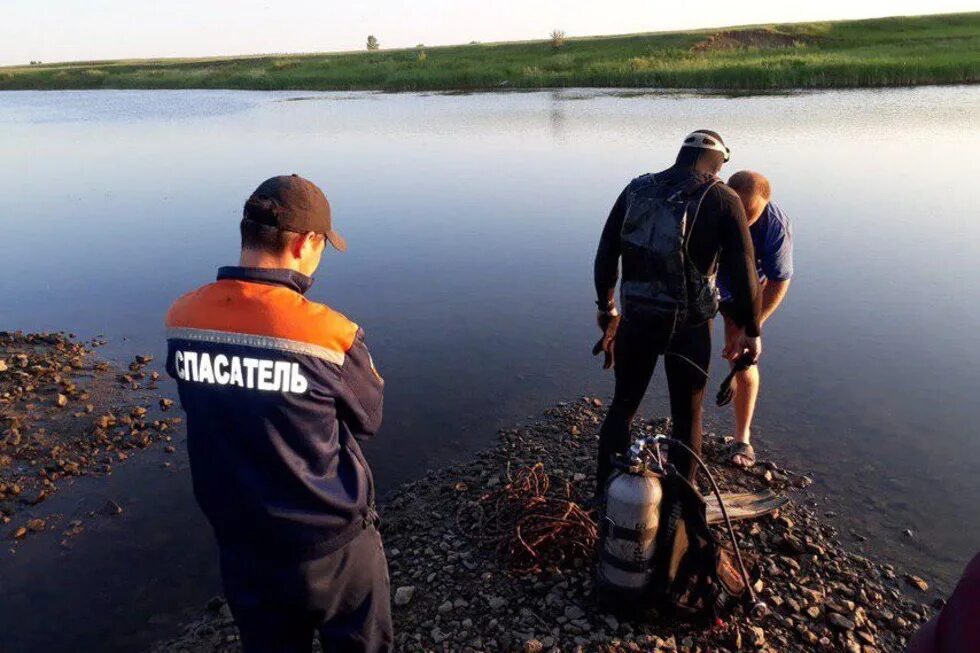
686	383
636	358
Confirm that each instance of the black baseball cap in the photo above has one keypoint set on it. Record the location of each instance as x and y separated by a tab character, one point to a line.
292	203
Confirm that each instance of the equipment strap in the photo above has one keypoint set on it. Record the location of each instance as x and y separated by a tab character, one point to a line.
609	528
630	566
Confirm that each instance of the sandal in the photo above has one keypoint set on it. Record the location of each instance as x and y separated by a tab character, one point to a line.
743	449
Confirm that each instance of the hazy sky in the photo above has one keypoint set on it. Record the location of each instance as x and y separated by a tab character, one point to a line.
62	30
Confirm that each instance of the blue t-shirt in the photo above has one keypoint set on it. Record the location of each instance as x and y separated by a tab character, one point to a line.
772	238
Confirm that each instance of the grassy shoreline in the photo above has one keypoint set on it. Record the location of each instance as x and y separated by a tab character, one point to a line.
902	51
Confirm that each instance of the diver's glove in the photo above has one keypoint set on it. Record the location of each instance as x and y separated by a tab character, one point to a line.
608	321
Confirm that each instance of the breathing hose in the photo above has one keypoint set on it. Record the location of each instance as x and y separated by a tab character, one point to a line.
725	392
759	608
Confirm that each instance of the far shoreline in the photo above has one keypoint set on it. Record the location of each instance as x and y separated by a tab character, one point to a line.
874	53
616	91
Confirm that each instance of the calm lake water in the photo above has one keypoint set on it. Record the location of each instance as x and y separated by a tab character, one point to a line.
472	222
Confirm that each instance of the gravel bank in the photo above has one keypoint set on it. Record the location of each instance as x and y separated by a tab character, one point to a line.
453	594
65	413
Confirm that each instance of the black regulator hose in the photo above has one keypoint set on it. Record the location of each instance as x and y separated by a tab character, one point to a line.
759	608
726	392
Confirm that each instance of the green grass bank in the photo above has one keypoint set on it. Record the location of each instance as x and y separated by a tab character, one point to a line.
906	51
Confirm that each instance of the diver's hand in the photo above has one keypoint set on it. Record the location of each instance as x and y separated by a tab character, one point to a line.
608	322
743	344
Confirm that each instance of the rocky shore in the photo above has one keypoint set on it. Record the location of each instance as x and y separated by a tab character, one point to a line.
453	592
66	413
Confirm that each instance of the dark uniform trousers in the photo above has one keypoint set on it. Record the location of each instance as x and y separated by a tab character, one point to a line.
344	597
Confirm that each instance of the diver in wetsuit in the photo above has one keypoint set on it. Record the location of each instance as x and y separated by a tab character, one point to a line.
672	230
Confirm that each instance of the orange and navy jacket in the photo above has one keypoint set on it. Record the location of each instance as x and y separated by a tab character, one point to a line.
277	389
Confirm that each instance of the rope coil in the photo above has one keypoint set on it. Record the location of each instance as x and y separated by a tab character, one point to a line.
532	522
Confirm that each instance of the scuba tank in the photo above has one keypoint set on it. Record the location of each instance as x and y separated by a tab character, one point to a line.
630	518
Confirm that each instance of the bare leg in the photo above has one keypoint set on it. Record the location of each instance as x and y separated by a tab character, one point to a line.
746	394
746	387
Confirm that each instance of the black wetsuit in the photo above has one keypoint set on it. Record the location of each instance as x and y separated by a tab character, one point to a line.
721	234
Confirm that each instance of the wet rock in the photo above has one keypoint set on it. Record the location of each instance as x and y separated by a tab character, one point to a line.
532	646
111	508
496	603
916	582
756	637
867	638
839	621
404	594
573	612
165	404
75	527
790	563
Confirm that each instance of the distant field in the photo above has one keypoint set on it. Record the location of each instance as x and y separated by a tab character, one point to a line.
943	49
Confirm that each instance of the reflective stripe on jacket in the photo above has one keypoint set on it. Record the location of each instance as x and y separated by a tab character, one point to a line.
277	389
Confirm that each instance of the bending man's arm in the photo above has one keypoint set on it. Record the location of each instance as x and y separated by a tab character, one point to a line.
777	264
607	255
772	296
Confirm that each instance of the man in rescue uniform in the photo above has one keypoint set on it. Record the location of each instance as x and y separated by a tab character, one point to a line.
278	390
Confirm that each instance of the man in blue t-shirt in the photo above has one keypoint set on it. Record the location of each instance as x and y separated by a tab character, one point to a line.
772	239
